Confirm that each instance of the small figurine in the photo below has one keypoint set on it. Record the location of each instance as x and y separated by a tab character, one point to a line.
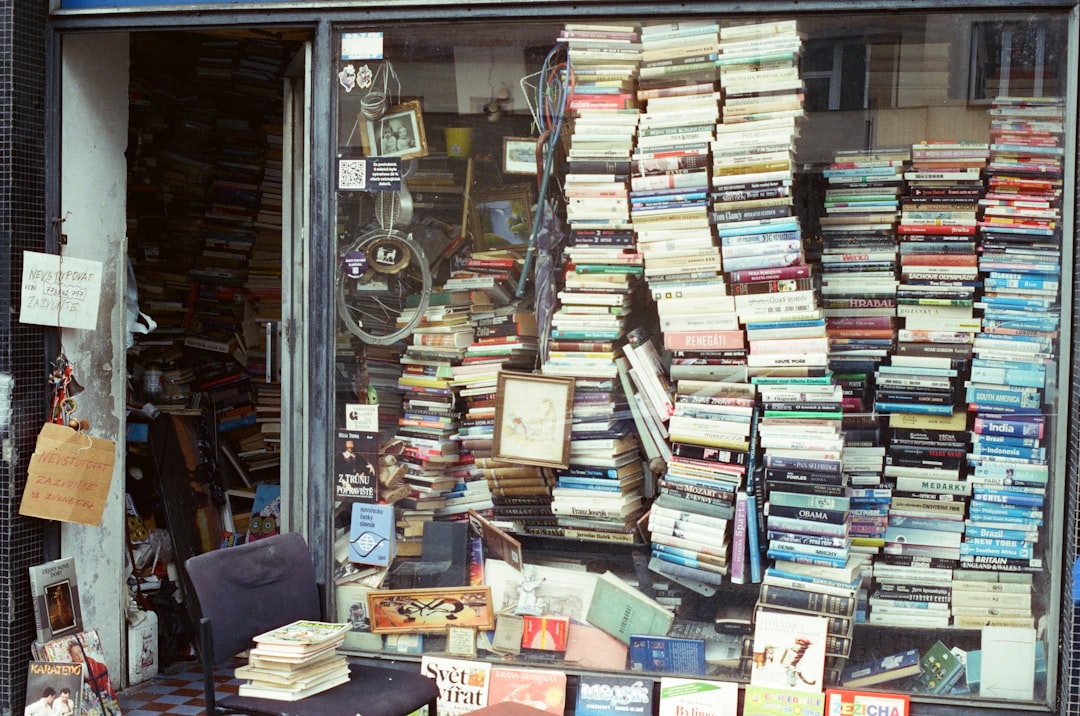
529	602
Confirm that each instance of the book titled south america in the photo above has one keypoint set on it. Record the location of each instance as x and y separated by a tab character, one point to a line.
604	695
700	697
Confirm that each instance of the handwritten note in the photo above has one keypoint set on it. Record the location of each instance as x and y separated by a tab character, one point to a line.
60	291
69	476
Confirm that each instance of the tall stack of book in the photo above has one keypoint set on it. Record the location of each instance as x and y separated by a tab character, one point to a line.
604	58
670	166
859	263
710	433
863	464
1016	351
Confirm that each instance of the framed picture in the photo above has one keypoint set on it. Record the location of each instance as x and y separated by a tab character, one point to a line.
519	155
430	610
502	217
398	133
532	419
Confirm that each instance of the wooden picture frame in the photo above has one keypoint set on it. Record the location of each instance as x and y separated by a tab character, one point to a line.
435	609
519	155
502	218
398	133
532	419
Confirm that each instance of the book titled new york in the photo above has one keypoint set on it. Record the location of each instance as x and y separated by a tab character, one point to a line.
55	590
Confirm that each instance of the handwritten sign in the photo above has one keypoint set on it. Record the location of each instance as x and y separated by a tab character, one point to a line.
69	476
60	291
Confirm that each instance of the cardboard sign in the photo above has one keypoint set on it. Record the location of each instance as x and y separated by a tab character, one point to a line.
69	476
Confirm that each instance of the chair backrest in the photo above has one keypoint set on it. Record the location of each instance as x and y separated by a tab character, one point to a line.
253	588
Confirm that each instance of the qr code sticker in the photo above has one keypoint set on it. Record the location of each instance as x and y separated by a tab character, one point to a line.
352	174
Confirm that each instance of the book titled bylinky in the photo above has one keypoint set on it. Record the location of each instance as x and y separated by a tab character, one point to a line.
55	590
700	697
789	650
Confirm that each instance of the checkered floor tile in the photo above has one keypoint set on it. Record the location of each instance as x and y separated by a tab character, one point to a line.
178	690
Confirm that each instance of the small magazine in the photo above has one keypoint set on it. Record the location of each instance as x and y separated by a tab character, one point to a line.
98	695
54	688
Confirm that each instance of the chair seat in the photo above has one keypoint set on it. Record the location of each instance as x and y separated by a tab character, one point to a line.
370	691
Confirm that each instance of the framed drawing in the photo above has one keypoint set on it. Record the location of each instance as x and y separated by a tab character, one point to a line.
519	155
502	217
532	419
398	133
429	610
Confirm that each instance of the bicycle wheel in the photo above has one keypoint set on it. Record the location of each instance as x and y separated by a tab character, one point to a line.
376	275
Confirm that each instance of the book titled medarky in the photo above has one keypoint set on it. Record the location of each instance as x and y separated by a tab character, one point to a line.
773	701
603	695
789	650
846	702
463	684
700	697
371	534
55	590
664	654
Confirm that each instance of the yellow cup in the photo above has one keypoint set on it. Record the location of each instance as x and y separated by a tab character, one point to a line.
458	141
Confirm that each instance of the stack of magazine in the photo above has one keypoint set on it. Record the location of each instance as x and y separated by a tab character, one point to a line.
295	661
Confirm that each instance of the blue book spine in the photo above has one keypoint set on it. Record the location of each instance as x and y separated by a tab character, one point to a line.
922	408
819	560
1008	498
999	550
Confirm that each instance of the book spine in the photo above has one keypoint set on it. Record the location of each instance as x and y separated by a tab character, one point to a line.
807	601
738	568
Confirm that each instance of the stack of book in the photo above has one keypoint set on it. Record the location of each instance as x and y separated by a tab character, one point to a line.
859	262
521	496
863	464
991	598
710	432
1016	351
604	58
670	165
295	661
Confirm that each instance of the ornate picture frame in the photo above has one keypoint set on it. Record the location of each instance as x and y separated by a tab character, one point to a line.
398	133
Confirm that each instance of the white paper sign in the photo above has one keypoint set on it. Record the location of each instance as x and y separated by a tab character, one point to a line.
60	291
362	417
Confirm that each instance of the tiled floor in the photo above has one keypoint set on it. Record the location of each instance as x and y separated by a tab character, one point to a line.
177	690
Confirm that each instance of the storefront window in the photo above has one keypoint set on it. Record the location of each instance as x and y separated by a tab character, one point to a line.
732	327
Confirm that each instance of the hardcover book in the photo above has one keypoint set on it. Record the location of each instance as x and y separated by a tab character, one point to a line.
54	688
603	695
773	701
55	590
681	696
541	689
463	684
789	650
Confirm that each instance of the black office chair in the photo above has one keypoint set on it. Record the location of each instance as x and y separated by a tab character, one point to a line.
247	590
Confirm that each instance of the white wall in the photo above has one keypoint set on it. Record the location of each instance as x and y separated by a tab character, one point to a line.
92	201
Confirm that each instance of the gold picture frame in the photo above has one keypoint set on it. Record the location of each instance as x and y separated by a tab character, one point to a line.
519	155
435	609
532	419
503	217
398	133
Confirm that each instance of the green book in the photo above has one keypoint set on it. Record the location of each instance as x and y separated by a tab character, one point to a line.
939	669
621	610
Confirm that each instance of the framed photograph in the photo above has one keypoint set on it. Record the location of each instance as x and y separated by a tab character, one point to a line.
502	217
532	419
519	155
398	133
430	610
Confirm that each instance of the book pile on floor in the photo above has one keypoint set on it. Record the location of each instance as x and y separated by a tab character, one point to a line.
295	661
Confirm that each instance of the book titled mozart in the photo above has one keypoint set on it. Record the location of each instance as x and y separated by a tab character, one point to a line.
789	650
55	590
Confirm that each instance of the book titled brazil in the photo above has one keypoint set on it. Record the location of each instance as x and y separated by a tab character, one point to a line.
603	695
371	534
789	650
